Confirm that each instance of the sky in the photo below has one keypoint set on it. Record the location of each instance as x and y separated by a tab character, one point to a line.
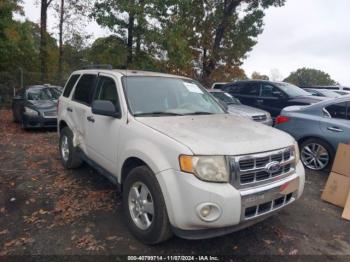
302	33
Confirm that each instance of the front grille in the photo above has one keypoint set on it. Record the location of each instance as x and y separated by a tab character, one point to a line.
259	118
50	114
253	170
267	207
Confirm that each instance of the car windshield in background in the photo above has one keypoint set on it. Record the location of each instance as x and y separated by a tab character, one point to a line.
227	98
292	90
330	93
35	94
158	96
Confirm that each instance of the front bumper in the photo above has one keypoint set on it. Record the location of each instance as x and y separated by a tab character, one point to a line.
39	121
268	122
184	193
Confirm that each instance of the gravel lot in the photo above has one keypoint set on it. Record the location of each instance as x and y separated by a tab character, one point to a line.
47	210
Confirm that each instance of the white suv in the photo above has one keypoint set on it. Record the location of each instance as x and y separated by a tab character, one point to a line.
183	164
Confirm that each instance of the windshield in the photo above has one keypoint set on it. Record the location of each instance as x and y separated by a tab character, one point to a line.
226	97
43	94
168	96
292	90
330	93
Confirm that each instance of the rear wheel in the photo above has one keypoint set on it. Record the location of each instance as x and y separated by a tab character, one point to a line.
316	154
144	207
69	156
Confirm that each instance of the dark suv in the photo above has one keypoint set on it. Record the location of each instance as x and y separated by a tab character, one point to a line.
270	96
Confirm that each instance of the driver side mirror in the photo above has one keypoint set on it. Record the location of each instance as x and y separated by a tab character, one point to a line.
105	108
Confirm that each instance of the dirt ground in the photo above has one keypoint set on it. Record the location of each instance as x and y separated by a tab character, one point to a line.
46	210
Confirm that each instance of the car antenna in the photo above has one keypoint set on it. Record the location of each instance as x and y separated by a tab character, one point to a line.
126	90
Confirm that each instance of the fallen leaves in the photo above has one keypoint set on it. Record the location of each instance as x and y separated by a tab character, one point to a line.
10	245
89	243
4	232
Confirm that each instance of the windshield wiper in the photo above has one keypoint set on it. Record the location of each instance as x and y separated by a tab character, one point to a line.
158	114
199	113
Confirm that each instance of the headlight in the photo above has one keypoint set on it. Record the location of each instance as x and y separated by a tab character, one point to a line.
296	152
207	168
268	115
30	112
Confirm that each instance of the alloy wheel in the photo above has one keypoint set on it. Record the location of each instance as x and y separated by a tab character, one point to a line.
65	148
314	156
141	205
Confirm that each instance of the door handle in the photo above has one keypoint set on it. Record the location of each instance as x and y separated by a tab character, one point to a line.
335	129
69	109
260	101
91	119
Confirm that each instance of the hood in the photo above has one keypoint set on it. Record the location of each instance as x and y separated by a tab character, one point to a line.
307	100
43	104
222	134
247	111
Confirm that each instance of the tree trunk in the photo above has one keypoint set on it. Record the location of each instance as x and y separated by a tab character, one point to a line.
130	37
229	7
43	40
60	59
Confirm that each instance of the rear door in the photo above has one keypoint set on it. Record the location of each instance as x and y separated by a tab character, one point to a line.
248	93
80	107
103	131
336	123
272	99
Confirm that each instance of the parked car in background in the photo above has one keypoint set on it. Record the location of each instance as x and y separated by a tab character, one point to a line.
36	106
183	164
340	88
270	96
323	92
235	107
218	85
343	93
319	129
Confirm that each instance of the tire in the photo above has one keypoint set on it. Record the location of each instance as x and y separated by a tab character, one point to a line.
71	159
306	156
159	230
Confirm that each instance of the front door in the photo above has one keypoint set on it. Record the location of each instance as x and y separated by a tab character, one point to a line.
336	124
103	131
272	99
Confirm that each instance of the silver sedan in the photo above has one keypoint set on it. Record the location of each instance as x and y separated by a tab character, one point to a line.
235	107
318	128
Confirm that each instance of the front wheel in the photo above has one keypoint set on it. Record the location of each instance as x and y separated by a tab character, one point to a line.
316	154
69	156
144	207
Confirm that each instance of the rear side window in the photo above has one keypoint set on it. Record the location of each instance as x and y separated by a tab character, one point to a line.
84	89
232	88
337	110
71	83
251	89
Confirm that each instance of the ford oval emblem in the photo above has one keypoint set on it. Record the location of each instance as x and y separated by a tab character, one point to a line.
273	167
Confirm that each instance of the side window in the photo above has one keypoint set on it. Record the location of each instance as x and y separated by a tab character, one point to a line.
337	110
231	89
83	89
107	90
70	84
250	89
270	91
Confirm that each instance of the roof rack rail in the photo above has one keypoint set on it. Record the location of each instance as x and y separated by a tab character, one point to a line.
105	66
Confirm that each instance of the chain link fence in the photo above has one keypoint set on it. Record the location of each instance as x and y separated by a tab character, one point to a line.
12	81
